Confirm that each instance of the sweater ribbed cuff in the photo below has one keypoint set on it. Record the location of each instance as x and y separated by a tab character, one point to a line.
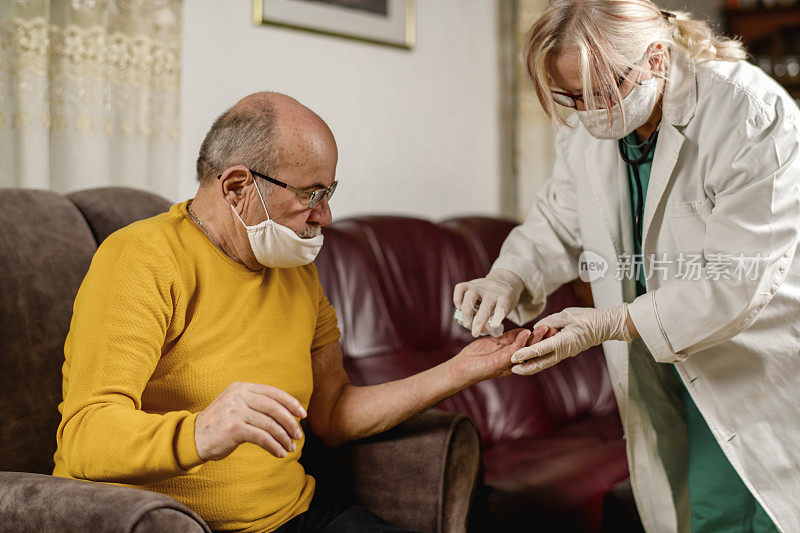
185	449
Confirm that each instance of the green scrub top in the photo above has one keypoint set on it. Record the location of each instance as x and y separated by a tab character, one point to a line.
637	189
719	500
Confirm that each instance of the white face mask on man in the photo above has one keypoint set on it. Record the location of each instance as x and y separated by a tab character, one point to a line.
637	105
276	246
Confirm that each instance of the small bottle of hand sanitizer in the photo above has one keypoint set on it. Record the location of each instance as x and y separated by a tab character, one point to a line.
489	329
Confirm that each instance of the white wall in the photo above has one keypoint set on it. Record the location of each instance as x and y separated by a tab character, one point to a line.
418	131
534	152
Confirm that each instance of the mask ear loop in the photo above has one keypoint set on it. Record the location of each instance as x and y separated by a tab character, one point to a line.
261	198
640	70
262	203
237	216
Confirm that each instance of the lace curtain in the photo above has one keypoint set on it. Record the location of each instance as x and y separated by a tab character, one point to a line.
89	94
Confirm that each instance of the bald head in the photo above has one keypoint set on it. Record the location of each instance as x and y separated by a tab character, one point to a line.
263	131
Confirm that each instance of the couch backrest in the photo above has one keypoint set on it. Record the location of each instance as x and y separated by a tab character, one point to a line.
110	208
391	281
45	250
46	246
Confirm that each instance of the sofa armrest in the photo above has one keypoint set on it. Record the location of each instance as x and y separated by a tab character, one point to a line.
38	502
421	474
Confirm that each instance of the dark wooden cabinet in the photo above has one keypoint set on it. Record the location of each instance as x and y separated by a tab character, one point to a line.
772	37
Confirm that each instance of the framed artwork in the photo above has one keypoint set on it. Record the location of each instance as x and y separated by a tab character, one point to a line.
389	22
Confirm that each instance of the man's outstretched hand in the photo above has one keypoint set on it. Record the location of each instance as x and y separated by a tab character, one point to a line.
489	357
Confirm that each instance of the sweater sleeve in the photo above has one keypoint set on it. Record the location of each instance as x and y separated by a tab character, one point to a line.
326	331
119	324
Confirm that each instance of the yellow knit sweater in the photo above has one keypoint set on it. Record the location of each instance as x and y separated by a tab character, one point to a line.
162	323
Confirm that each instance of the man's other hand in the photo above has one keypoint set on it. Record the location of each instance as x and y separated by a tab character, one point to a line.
489	358
248	412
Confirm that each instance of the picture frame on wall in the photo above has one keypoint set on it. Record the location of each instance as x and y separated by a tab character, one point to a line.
385	22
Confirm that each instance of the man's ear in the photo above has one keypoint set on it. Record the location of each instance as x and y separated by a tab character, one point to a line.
232	183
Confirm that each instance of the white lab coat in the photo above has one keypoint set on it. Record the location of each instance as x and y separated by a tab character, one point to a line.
725	180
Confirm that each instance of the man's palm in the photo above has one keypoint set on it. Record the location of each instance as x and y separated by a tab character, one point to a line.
489	357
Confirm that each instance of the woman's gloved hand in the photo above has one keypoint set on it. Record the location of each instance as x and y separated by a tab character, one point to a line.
498	293
580	328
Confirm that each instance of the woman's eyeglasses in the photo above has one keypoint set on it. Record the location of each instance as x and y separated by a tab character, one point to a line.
566	99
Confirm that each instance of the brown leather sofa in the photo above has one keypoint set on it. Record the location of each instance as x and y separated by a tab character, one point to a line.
421	474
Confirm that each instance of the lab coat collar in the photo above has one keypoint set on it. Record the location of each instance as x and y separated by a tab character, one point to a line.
677	108
680	92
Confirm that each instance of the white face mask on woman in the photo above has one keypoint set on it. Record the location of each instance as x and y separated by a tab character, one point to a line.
638	106
276	246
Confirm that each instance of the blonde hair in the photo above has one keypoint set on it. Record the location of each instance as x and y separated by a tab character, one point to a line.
611	37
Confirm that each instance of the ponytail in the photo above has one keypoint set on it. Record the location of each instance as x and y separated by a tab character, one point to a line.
701	42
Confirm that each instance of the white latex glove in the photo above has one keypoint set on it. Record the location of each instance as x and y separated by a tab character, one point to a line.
498	293
580	328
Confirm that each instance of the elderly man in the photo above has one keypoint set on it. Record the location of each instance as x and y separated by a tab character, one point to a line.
200	337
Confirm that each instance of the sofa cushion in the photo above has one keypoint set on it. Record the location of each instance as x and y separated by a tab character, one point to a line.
352	286
483	235
414	264
108	209
559	481
536	461
45	250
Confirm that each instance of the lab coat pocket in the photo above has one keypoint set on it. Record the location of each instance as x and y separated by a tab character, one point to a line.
688	221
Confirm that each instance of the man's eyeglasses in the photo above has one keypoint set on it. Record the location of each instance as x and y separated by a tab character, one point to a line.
571	100
309	199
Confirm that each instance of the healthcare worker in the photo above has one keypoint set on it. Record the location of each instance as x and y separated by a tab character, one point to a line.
683	155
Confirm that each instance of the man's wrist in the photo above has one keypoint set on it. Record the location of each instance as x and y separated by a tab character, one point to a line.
453	377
